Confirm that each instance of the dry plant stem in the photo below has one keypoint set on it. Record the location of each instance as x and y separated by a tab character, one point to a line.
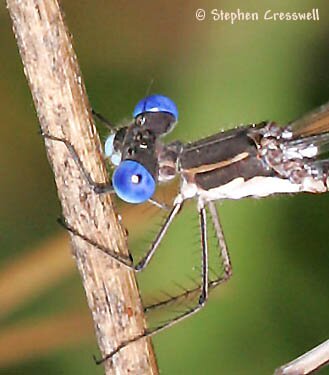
62	106
308	362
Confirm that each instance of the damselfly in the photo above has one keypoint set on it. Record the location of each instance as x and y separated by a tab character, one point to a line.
256	160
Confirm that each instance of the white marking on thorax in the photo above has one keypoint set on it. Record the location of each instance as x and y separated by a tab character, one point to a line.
239	188
256	187
310	151
297	153
313	186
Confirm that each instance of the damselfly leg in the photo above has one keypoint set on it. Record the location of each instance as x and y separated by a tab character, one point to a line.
106	187
225	263
256	160
203	289
108	124
97	187
205	285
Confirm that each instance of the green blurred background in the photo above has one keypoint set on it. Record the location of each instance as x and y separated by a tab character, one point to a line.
220	75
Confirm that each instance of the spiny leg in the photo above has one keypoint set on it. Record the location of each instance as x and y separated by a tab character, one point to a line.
225	261
108	124
201	302
224	254
101	188
163	230
124	261
154	246
205	265
98	187
158	204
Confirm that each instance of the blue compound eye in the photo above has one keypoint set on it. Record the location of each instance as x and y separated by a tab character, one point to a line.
156	103
132	182
114	156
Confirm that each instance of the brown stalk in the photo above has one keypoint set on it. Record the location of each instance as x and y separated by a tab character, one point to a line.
60	99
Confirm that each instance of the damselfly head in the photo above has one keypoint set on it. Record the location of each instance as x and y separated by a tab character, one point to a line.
134	149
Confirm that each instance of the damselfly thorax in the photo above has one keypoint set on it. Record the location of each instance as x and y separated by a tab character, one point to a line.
257	160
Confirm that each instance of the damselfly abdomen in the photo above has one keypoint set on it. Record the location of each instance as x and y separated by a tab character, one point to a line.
256	160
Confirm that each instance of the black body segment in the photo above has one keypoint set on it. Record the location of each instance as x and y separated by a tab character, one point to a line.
246	168
260	160
219	159
217	148
160	123
140	144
